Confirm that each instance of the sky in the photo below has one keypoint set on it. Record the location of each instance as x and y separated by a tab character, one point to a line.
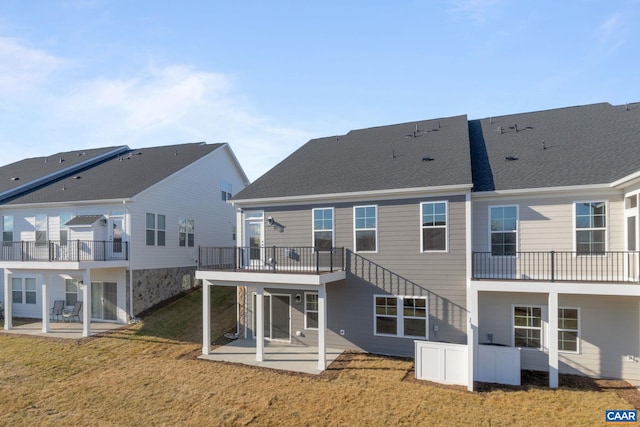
267	76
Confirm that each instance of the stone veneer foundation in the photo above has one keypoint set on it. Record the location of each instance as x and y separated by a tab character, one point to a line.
151	287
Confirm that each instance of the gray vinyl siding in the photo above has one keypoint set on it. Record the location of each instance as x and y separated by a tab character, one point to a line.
398	268
608	332
547	223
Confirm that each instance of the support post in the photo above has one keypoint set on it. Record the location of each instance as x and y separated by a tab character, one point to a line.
86	304
8	312
553	340
258	309
45	306
322	327
206	317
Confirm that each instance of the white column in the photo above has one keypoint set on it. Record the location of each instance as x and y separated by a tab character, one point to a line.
553	340
8	321
472	336
86	304
206	317
45	306
258	312
322	327
472	299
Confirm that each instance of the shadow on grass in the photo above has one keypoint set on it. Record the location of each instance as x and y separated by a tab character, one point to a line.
178	320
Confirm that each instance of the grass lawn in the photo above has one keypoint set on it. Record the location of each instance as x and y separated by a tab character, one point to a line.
147	374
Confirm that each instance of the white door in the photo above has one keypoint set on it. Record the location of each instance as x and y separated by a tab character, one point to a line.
631	215
277	317
254	242
104	300
116	235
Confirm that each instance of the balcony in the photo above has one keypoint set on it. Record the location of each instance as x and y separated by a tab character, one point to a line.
273	259
64	251
612	267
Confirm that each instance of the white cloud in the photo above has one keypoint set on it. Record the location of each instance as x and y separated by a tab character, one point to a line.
174	104
23	68
477	10
611	34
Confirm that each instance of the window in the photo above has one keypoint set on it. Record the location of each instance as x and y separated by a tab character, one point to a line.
415	316
16	290
23	290
568	329
434	226
527	326
323	229
310	310
156	229
409	321
161	234
225	188
591	227
386	315
233	232
504	228
186	229
151	229
41	229
366	223
64	231
7	229
71	291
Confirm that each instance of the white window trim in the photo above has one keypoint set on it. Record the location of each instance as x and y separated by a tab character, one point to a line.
146	229
579	335
36	229
310	311
313	226
606	226
24	290
543	326
8	231
400	316
446	228
491	255
365	229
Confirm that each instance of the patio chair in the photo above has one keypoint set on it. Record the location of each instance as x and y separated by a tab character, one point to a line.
56	310
73	313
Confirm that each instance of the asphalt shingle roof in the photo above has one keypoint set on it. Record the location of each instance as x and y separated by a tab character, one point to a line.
379	158
591	144
121	176
80	220
27	171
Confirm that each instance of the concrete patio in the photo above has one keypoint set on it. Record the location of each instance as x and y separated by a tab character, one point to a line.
286	357
70	330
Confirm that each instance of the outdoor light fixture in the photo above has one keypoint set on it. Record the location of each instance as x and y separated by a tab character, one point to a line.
298	298
271	220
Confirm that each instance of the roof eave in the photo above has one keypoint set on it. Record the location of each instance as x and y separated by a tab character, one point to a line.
397	193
